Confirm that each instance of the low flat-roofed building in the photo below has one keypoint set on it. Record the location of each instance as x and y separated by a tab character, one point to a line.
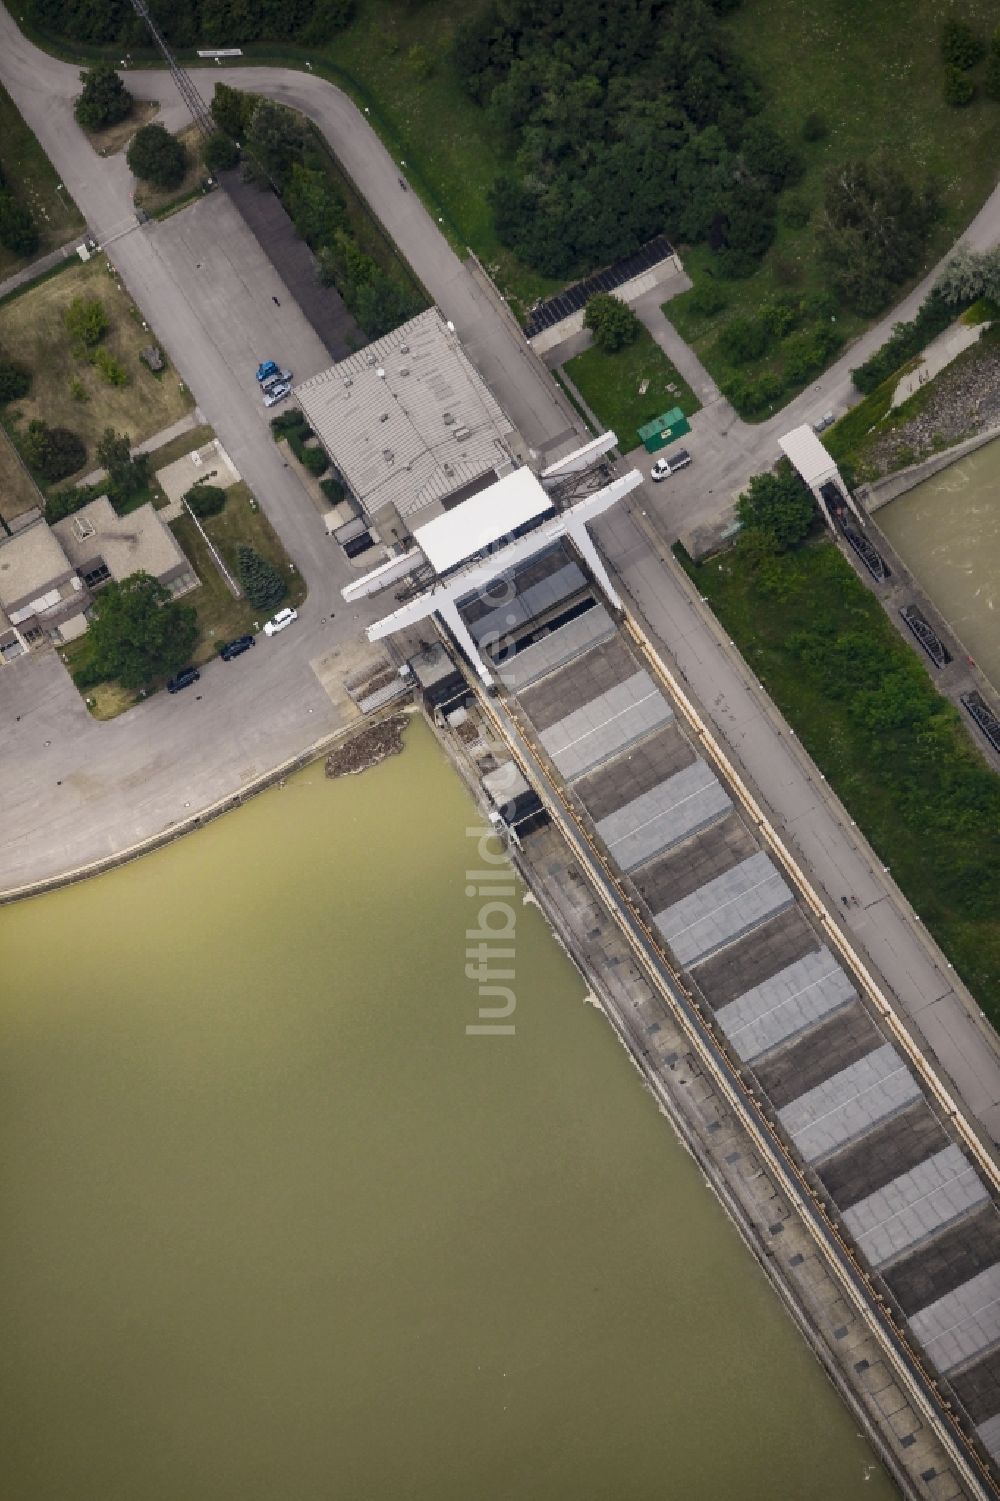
102	545
409	422
39	585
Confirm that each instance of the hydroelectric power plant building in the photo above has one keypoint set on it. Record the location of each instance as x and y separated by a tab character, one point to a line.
894	1186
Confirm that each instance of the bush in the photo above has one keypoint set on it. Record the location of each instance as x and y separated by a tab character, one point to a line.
206	500
287	422
751	397
814	127
88	675
262	584
105	99
779	315
991	75
315	460
778	505
707	299
15	381
958	88
333	489
220	153
807	352
157	157
18	231
86	322
905	341
108	368
743	340
53	453
961	47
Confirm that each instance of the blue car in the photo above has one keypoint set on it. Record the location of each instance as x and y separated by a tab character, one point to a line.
270	369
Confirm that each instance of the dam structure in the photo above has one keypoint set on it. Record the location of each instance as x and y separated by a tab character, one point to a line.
809	1042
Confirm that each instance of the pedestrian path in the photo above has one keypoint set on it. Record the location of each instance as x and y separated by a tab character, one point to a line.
38	268
183	425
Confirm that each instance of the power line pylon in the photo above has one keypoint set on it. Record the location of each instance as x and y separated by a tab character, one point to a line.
185	86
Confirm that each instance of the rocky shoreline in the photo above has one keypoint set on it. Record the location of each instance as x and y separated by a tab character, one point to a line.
370	747
962	401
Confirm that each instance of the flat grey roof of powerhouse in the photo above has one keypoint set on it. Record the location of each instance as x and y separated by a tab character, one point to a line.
412	435
556	649
663	816
734	902
849	1104
606	725
785	1004
916	1205
963	1323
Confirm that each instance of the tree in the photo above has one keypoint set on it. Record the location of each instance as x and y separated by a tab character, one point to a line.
262	584
959	90
86	322
127	476
779	506
157	157
139	633
15	380
611	321
18	231
52	452
743	340
875	229
961	47
274	139
105	99
206	500
220	153
231	110
991	74
970	274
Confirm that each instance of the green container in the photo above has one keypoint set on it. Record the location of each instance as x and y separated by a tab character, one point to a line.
663	430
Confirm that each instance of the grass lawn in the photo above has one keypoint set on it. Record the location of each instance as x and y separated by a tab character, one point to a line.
33	326
611	385
814	56
220	616
32	179
17	493
940	859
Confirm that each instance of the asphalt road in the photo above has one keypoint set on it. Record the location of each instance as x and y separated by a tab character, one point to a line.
75	790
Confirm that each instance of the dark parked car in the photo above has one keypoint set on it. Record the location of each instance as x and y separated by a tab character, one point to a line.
184	679
236	648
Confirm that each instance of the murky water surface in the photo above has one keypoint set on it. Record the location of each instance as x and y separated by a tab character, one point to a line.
947	531
274	1227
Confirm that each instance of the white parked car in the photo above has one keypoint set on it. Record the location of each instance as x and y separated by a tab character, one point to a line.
276	393
679	460
281	620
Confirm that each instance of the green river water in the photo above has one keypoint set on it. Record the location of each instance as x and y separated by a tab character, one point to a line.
274	1228
947	531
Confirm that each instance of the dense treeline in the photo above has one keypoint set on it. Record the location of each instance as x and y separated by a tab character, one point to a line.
190	23
279	152
623	117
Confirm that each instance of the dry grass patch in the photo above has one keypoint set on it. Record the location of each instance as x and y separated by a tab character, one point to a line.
114	138
33	325
220	616
17	493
